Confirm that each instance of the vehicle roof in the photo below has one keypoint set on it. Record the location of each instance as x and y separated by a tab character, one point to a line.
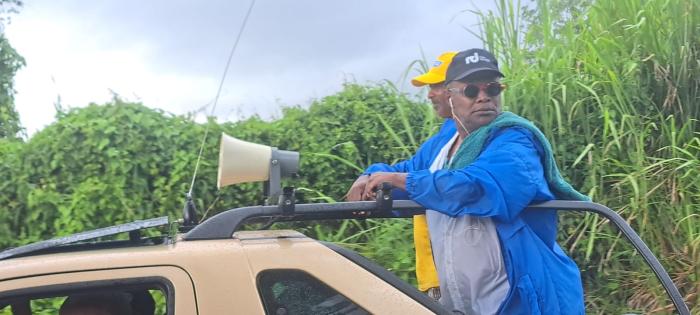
173	253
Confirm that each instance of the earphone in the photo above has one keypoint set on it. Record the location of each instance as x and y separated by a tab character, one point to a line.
452	108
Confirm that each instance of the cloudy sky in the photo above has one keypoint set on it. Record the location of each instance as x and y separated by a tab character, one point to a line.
171	54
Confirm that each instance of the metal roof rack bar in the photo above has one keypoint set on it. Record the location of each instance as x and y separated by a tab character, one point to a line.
84	236
224	224
631	235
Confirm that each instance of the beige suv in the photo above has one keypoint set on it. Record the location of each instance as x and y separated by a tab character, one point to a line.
210	269
213	268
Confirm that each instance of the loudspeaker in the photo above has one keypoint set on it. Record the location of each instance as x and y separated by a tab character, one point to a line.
242	162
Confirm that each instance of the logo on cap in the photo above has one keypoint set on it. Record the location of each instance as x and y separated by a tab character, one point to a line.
475	58
437	63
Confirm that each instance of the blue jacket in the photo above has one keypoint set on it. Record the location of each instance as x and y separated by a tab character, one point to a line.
505	178
422	159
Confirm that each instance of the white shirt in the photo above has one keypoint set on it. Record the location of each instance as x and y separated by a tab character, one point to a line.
468	259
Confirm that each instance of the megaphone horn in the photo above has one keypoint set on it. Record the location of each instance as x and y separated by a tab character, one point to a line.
242	162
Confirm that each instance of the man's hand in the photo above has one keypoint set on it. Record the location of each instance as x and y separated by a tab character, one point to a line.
398	180
357	189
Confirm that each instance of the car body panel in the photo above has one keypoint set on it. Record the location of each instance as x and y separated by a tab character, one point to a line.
211	276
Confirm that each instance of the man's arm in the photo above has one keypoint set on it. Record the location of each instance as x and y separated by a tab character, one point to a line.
421	160
503	180
424	156
358	189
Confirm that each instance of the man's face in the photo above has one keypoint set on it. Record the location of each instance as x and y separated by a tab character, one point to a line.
479	110
438	96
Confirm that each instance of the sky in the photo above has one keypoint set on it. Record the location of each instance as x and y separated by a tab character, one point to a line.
172	54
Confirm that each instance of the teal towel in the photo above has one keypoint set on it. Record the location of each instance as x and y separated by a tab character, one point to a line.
472	146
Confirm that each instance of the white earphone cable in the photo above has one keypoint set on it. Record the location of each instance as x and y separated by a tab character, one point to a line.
459	121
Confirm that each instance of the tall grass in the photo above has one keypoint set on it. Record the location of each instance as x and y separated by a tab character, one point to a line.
615	85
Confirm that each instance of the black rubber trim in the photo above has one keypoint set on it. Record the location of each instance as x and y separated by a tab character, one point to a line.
389	278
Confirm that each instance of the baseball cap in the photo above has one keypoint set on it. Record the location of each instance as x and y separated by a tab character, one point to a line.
436	74
471	61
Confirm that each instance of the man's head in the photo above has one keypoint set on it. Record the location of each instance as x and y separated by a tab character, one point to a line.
108	303
473	88
435	78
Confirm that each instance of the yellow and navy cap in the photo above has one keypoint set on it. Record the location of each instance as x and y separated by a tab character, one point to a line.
436	74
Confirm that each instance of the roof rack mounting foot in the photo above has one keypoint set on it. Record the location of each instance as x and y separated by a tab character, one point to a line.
384	200
286	201
189	214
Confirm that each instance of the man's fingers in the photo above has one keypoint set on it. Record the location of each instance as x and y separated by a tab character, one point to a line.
357	189
369	193
353	194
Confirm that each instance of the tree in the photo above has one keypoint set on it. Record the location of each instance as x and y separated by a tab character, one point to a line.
10	62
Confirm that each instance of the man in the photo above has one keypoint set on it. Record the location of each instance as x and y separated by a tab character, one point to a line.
492	255
135	302
435	78
108	303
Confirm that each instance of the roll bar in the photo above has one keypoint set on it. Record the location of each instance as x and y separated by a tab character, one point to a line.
224	224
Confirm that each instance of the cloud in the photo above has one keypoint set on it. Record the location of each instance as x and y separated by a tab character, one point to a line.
171	54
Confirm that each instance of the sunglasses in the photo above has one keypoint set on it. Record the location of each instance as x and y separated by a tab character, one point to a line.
472	90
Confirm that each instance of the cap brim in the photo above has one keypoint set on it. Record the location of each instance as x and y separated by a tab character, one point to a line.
427	78
473	71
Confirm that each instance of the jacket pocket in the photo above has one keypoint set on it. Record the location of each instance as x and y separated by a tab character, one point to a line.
470	229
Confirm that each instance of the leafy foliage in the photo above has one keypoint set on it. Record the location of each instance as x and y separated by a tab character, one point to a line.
10	62
615	85
8	7
112	163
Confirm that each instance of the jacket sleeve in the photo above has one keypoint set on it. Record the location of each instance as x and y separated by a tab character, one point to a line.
500	183
400	167
424	156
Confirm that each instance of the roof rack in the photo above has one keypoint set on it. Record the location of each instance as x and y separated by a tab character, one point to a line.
132	228
224	224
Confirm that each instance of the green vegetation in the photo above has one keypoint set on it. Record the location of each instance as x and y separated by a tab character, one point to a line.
10	62
122	161
615	86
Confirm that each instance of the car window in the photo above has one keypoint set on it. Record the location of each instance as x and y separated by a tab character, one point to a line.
144	290
139	302
286	291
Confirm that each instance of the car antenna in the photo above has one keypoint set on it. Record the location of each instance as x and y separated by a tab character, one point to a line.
189	211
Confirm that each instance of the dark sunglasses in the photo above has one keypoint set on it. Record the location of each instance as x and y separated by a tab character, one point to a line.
471	90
